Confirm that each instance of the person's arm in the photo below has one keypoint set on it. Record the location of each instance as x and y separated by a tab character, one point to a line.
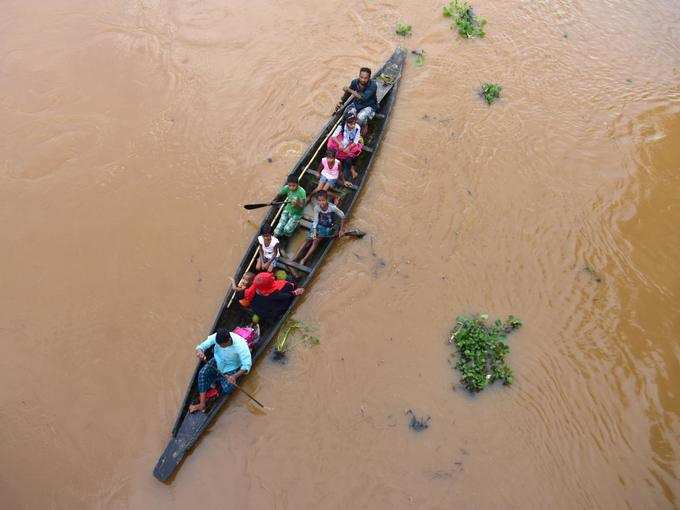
283	192
246	361
300	202
342	216
204	346
357	135
315	222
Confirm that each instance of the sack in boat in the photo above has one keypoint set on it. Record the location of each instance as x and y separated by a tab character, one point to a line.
250	335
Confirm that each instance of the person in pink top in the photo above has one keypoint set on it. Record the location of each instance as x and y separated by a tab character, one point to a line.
330	174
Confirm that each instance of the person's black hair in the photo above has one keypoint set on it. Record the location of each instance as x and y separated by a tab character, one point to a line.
222	336
291	178
365	70
266	230
330	153
323	193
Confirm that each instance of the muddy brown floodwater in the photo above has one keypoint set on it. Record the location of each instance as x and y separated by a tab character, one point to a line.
131	131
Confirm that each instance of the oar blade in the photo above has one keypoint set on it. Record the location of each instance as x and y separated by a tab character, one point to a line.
355	232
255	206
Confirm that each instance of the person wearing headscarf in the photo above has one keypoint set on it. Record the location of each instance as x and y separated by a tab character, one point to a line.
268	297
347	144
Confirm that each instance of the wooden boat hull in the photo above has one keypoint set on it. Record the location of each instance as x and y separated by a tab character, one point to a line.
189	427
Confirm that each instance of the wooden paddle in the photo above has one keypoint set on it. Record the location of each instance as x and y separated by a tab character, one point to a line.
354	232
253	398
258	206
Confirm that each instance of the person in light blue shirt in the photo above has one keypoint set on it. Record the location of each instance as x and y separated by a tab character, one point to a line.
231	359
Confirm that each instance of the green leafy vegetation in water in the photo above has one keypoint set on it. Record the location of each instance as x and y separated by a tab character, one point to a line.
403	29
419	59
491	92
293	332
482	349
469	25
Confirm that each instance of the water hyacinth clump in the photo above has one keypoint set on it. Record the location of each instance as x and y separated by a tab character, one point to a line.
482	349
403	29
293	332
468	24
490	92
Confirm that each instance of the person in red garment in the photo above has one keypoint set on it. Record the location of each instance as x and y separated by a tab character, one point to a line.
269	298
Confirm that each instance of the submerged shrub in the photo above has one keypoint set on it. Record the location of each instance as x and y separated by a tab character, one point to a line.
403	29
469	25
490	92
482	349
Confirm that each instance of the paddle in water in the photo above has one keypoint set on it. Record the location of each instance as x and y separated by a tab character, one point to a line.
264	204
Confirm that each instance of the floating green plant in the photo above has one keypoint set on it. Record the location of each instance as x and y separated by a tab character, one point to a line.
419	59
482	349
490	92
293	331
469	25
403	29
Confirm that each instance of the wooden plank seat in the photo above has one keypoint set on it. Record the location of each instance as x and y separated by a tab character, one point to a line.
335	189
283	263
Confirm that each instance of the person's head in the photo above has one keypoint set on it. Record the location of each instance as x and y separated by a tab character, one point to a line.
247	279
266	233
330	154
263	283
364	75
351	118
292	182
322	199
222	337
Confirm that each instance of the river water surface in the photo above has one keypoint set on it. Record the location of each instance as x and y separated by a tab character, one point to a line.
132	130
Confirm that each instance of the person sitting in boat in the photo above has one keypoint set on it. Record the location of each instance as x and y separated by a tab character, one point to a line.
268	250
296	198
269	297
346	142
245	282
364	92
231	359
324	226
330	175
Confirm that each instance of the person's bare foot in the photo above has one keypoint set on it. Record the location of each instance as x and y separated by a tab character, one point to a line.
353	172
196	407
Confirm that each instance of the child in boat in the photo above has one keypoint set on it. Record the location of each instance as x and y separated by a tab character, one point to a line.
347	144
330	172
245	282
268	250
323	226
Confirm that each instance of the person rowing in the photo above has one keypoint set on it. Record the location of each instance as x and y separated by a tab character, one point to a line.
231	359
291	215
364	93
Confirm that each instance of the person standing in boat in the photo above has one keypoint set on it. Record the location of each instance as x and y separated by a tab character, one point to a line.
364	92
346	142
231	359
296	197
324	226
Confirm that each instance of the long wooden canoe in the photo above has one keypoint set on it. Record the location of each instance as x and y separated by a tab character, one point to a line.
189	426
